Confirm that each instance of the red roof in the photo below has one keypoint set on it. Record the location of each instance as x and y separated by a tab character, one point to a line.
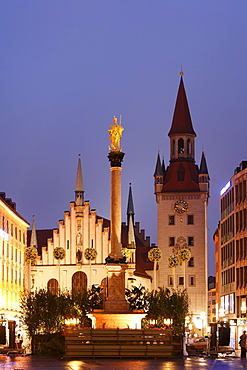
191	179
181	122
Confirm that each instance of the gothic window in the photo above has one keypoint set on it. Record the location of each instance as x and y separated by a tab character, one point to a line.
79	281
180	173
171	220
180	146
189	147
52	286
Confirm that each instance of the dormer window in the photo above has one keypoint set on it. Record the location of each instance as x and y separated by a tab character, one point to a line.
180	173
180	146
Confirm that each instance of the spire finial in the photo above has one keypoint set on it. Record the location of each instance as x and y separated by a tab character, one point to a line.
181	71
79	186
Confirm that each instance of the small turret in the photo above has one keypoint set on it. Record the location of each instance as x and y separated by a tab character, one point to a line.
203	175
159	175
79	186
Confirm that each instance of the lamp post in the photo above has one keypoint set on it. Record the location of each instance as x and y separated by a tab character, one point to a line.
90	255
59	254
203	316
154	255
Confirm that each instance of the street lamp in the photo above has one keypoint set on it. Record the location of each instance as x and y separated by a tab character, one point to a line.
203	316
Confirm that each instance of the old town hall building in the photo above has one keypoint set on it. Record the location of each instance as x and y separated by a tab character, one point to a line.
182	192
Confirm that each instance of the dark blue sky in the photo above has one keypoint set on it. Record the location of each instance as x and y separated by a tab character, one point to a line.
67	67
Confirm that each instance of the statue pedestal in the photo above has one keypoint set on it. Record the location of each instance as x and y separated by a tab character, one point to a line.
109	320
115	301
116	312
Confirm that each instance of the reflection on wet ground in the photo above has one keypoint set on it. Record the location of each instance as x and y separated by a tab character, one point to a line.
189	363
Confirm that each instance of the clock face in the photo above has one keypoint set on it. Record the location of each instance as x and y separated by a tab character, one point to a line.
181	206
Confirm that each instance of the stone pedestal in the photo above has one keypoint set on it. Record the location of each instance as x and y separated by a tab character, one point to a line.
115	301
109	320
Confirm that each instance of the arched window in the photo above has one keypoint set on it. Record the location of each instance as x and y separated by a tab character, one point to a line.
189	147
180	146
173	146
79	281
52	286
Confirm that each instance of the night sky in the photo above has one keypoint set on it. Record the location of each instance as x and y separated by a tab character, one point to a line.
67	67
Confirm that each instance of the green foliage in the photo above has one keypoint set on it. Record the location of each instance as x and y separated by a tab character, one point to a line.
30	316
159	305
44	313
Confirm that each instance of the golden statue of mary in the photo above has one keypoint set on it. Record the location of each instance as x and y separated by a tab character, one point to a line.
115	133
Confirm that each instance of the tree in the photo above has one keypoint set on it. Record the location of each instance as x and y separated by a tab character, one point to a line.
161	304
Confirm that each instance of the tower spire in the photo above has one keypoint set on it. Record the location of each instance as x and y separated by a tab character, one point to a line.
130	207
33	240
181	123
79	186
182	173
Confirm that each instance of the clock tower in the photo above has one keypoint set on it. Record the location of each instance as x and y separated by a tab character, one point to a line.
182	192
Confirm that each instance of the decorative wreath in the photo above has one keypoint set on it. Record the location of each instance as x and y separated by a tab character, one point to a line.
31	254
173	260
59	253
184	255
90	254
154	254
126	252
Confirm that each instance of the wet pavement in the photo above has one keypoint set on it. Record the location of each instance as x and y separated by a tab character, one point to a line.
189	363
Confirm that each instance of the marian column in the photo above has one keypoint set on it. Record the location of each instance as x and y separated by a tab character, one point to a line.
116	312
115	262
115	157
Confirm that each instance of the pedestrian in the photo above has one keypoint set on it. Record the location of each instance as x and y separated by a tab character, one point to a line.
242	343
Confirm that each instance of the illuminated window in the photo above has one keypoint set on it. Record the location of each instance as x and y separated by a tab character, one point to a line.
79	281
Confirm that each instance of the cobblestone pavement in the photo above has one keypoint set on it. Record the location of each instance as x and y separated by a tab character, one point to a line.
189	363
